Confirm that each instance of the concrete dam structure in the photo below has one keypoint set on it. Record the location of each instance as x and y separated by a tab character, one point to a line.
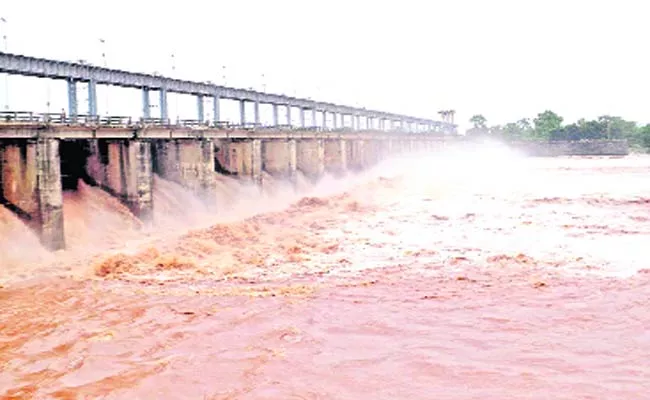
38	163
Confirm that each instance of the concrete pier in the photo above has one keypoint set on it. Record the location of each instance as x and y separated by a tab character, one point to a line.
357	154
279	158
31	186
124	169
241	158
310	158
122	161
336	156
188	162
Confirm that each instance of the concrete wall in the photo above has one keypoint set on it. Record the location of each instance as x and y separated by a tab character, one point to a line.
242	158
573	148
310	157
335	156
124	169
31	186
188	162
279	158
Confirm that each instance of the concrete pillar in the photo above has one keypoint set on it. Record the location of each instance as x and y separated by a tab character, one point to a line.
92	98
146	105
335	156
199	108
357	121
189	162
310	157
302	117
279	158
256	161
30	185
242	112
72	98
242	158
357	154
50	195
123	168
164	113
335	122
289	121
276	115
313	118
324	125
216	108
256	112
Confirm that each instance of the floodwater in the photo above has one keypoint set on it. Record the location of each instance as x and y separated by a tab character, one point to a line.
460	275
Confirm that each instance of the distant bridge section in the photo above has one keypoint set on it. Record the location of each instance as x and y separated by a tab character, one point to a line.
93	75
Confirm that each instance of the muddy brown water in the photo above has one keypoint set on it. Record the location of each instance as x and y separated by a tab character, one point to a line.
465	276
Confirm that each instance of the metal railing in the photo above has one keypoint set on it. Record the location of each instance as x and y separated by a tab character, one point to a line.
114	121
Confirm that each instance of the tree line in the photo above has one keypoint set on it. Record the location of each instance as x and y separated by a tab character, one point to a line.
548	126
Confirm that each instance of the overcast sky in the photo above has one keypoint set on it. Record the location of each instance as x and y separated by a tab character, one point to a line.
506	59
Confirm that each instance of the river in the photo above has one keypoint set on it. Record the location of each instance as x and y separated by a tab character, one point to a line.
456	275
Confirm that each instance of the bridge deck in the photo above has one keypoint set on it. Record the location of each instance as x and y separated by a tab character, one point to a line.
82	72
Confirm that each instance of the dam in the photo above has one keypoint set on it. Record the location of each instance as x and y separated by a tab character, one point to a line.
43	155
40	160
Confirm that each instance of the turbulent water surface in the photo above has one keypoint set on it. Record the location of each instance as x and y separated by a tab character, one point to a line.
464	275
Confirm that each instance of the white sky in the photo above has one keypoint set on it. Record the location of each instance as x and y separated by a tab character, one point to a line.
506	59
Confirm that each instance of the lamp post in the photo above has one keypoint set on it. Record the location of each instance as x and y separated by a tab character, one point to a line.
103	44
4	39
173	60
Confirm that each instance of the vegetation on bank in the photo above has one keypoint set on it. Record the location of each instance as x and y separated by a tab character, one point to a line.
548	126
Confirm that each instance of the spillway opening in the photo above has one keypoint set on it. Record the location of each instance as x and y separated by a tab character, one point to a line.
219	160
73	155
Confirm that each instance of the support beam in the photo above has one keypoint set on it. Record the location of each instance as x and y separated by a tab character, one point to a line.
289	119
72	98
310	158
146	105
302	117
242	158
164	113
314	123
123	168
279	158
324	125
189	162
357	154
242	112
336	156
335	122
216	108
256	112
199	108
49	194
92	98
276	115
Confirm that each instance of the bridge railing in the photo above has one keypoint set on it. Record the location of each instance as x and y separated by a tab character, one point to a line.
28	117
20	117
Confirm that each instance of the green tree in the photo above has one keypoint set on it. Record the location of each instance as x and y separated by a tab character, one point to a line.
479	121
617	127
512	131
643	135
545	123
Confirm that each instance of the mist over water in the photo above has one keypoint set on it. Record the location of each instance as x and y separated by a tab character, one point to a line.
473	269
